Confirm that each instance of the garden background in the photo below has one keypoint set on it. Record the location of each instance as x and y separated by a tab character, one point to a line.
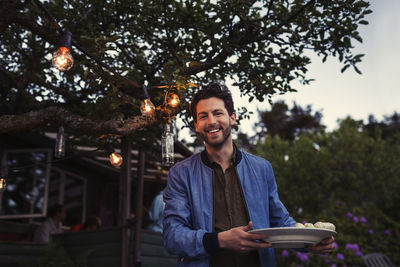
349	176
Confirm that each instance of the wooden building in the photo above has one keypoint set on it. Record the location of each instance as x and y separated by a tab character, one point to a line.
83	181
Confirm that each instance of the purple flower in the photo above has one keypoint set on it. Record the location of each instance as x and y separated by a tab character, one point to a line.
349	215
335	245
363	220
355	219
340	256
353	247
359	253
285	253
333	265
387	232
339	203
303	221
302	256
371	231
327	260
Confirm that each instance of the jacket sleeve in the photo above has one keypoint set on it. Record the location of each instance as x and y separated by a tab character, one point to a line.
279	216
180	237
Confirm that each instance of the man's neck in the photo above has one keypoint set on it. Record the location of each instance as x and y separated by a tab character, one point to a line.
222	155
56	221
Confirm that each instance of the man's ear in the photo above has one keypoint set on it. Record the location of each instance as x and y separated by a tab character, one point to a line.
195	126
233	118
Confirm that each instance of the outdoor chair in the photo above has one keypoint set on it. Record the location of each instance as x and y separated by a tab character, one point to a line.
377	260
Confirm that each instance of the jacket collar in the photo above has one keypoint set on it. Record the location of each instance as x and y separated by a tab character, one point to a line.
206	160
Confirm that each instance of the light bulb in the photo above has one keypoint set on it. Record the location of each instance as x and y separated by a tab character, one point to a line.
116	159
174	101
3	184
147	107
62	59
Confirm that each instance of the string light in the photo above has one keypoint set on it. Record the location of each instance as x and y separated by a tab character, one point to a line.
147	107
3	184
115	158
174	101
62	58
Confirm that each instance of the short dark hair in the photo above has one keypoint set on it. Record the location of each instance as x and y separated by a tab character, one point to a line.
91	221
212	90
53	210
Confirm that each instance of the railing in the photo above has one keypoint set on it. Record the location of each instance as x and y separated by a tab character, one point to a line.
97	248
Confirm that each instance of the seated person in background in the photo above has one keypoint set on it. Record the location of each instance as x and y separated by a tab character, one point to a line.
156	213
92	223
52	225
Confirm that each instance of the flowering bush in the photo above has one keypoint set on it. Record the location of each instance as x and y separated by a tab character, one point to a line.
346	177
360	231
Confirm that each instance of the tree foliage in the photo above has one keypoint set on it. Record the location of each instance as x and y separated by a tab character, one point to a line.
322	177
262	45
387	128
289	123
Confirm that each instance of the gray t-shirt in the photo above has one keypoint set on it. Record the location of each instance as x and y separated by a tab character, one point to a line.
43	232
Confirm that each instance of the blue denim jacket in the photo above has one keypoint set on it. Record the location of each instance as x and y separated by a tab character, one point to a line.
188	213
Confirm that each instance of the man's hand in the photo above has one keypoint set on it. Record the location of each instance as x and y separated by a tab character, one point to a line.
238	239
323	247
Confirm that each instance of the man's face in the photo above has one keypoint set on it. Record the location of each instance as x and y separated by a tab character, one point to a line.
213	122
62	215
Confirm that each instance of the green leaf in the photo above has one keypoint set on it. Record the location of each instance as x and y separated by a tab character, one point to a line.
344	68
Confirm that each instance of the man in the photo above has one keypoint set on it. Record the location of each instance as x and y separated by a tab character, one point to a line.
52	225
215	197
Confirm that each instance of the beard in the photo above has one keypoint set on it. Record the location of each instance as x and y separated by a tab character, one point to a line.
226	133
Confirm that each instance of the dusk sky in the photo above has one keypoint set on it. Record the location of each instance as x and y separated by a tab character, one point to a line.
338	95
376	91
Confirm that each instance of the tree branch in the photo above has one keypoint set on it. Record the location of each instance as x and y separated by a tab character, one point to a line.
58	116
52	37
275	29
48	35
70	97
7	12
246	37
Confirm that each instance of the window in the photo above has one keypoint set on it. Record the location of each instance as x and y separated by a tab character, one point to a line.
33	185
27	183
70	190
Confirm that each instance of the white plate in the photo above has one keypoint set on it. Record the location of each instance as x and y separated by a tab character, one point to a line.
294	237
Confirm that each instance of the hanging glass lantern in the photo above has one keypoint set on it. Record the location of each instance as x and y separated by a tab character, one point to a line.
167	145
59	150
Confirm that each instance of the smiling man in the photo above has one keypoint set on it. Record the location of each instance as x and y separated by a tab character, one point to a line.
214	123
215	197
